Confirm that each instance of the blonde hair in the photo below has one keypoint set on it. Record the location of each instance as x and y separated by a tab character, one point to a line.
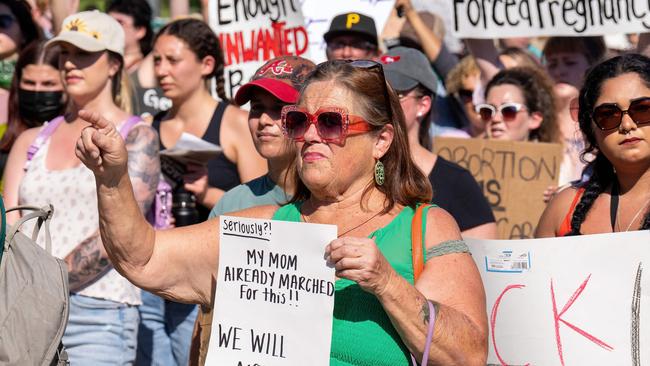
121	88
466	67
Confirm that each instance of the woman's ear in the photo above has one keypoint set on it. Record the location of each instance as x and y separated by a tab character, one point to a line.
424	105
536	119
383	141
208	64
114	66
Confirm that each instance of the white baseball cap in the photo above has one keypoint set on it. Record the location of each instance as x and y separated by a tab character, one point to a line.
91	31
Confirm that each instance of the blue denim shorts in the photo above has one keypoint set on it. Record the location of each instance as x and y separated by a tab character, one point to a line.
165	331
101	332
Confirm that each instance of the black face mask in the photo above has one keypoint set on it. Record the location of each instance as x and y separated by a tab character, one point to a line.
39	106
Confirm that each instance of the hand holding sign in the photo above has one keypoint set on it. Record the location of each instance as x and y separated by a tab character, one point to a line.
274	292
359	260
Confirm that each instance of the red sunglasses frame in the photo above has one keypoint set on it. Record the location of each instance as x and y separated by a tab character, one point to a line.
352	124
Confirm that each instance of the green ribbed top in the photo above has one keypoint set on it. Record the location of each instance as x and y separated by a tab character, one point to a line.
362	334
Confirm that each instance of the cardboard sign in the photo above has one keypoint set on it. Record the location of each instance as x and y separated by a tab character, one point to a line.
275	294
530	18
253	32
319	14
582	300
513	176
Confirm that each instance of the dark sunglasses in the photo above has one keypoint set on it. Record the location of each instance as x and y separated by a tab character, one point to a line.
360	45
6	21
333	124
610	116
508	111
465	95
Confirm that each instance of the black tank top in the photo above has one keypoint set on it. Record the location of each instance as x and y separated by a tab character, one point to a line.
222	173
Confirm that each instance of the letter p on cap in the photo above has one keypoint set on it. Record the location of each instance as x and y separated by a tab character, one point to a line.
353	18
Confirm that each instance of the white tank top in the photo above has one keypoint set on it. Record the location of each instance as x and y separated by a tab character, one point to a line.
73	194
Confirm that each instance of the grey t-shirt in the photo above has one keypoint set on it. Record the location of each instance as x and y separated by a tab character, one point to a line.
258	192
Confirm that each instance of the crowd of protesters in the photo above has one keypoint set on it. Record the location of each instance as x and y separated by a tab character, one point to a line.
88	100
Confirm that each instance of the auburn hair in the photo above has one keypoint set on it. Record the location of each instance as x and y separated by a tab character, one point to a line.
378	104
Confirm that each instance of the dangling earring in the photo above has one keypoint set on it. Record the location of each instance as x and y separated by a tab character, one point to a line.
379	173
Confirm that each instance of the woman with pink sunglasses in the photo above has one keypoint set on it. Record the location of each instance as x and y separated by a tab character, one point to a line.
355	172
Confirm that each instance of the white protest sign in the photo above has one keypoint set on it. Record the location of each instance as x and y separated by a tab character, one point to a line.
275	294
253	32
582	300
530	18
319	14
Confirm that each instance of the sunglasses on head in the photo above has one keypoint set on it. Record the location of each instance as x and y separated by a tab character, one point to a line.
333	124
6	21
372	66
508	111
610	116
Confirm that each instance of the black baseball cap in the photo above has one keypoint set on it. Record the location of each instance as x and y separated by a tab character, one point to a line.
352	24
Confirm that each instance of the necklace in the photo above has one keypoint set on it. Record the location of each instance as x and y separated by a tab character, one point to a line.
635	216
304	218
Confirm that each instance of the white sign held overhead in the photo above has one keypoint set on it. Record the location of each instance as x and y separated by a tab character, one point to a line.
275	294
531	18
253	32
582	300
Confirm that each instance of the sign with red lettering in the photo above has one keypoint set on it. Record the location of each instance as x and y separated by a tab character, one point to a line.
531	18
581	300
253	32
513	176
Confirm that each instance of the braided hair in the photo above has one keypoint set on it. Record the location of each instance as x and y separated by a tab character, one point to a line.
603	174
203	42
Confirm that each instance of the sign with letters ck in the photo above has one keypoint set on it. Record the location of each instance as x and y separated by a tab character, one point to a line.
275	294
580	300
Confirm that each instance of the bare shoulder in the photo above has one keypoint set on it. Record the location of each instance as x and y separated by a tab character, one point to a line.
562	200
555	211
28	136
235	119
24	140
441	227
257	212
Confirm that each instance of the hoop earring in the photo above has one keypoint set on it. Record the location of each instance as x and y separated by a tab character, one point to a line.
380	173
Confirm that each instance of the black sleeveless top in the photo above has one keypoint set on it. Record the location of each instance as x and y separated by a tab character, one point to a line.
222	173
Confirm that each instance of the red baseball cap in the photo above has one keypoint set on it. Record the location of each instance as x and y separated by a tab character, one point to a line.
282	77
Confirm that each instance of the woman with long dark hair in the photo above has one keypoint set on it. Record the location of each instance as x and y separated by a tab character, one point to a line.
454	188
614	117
187	56
35	96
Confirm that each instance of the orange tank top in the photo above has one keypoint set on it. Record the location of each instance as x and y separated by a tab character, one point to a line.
565	227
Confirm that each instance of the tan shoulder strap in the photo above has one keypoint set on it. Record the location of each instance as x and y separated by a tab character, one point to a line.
416	241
